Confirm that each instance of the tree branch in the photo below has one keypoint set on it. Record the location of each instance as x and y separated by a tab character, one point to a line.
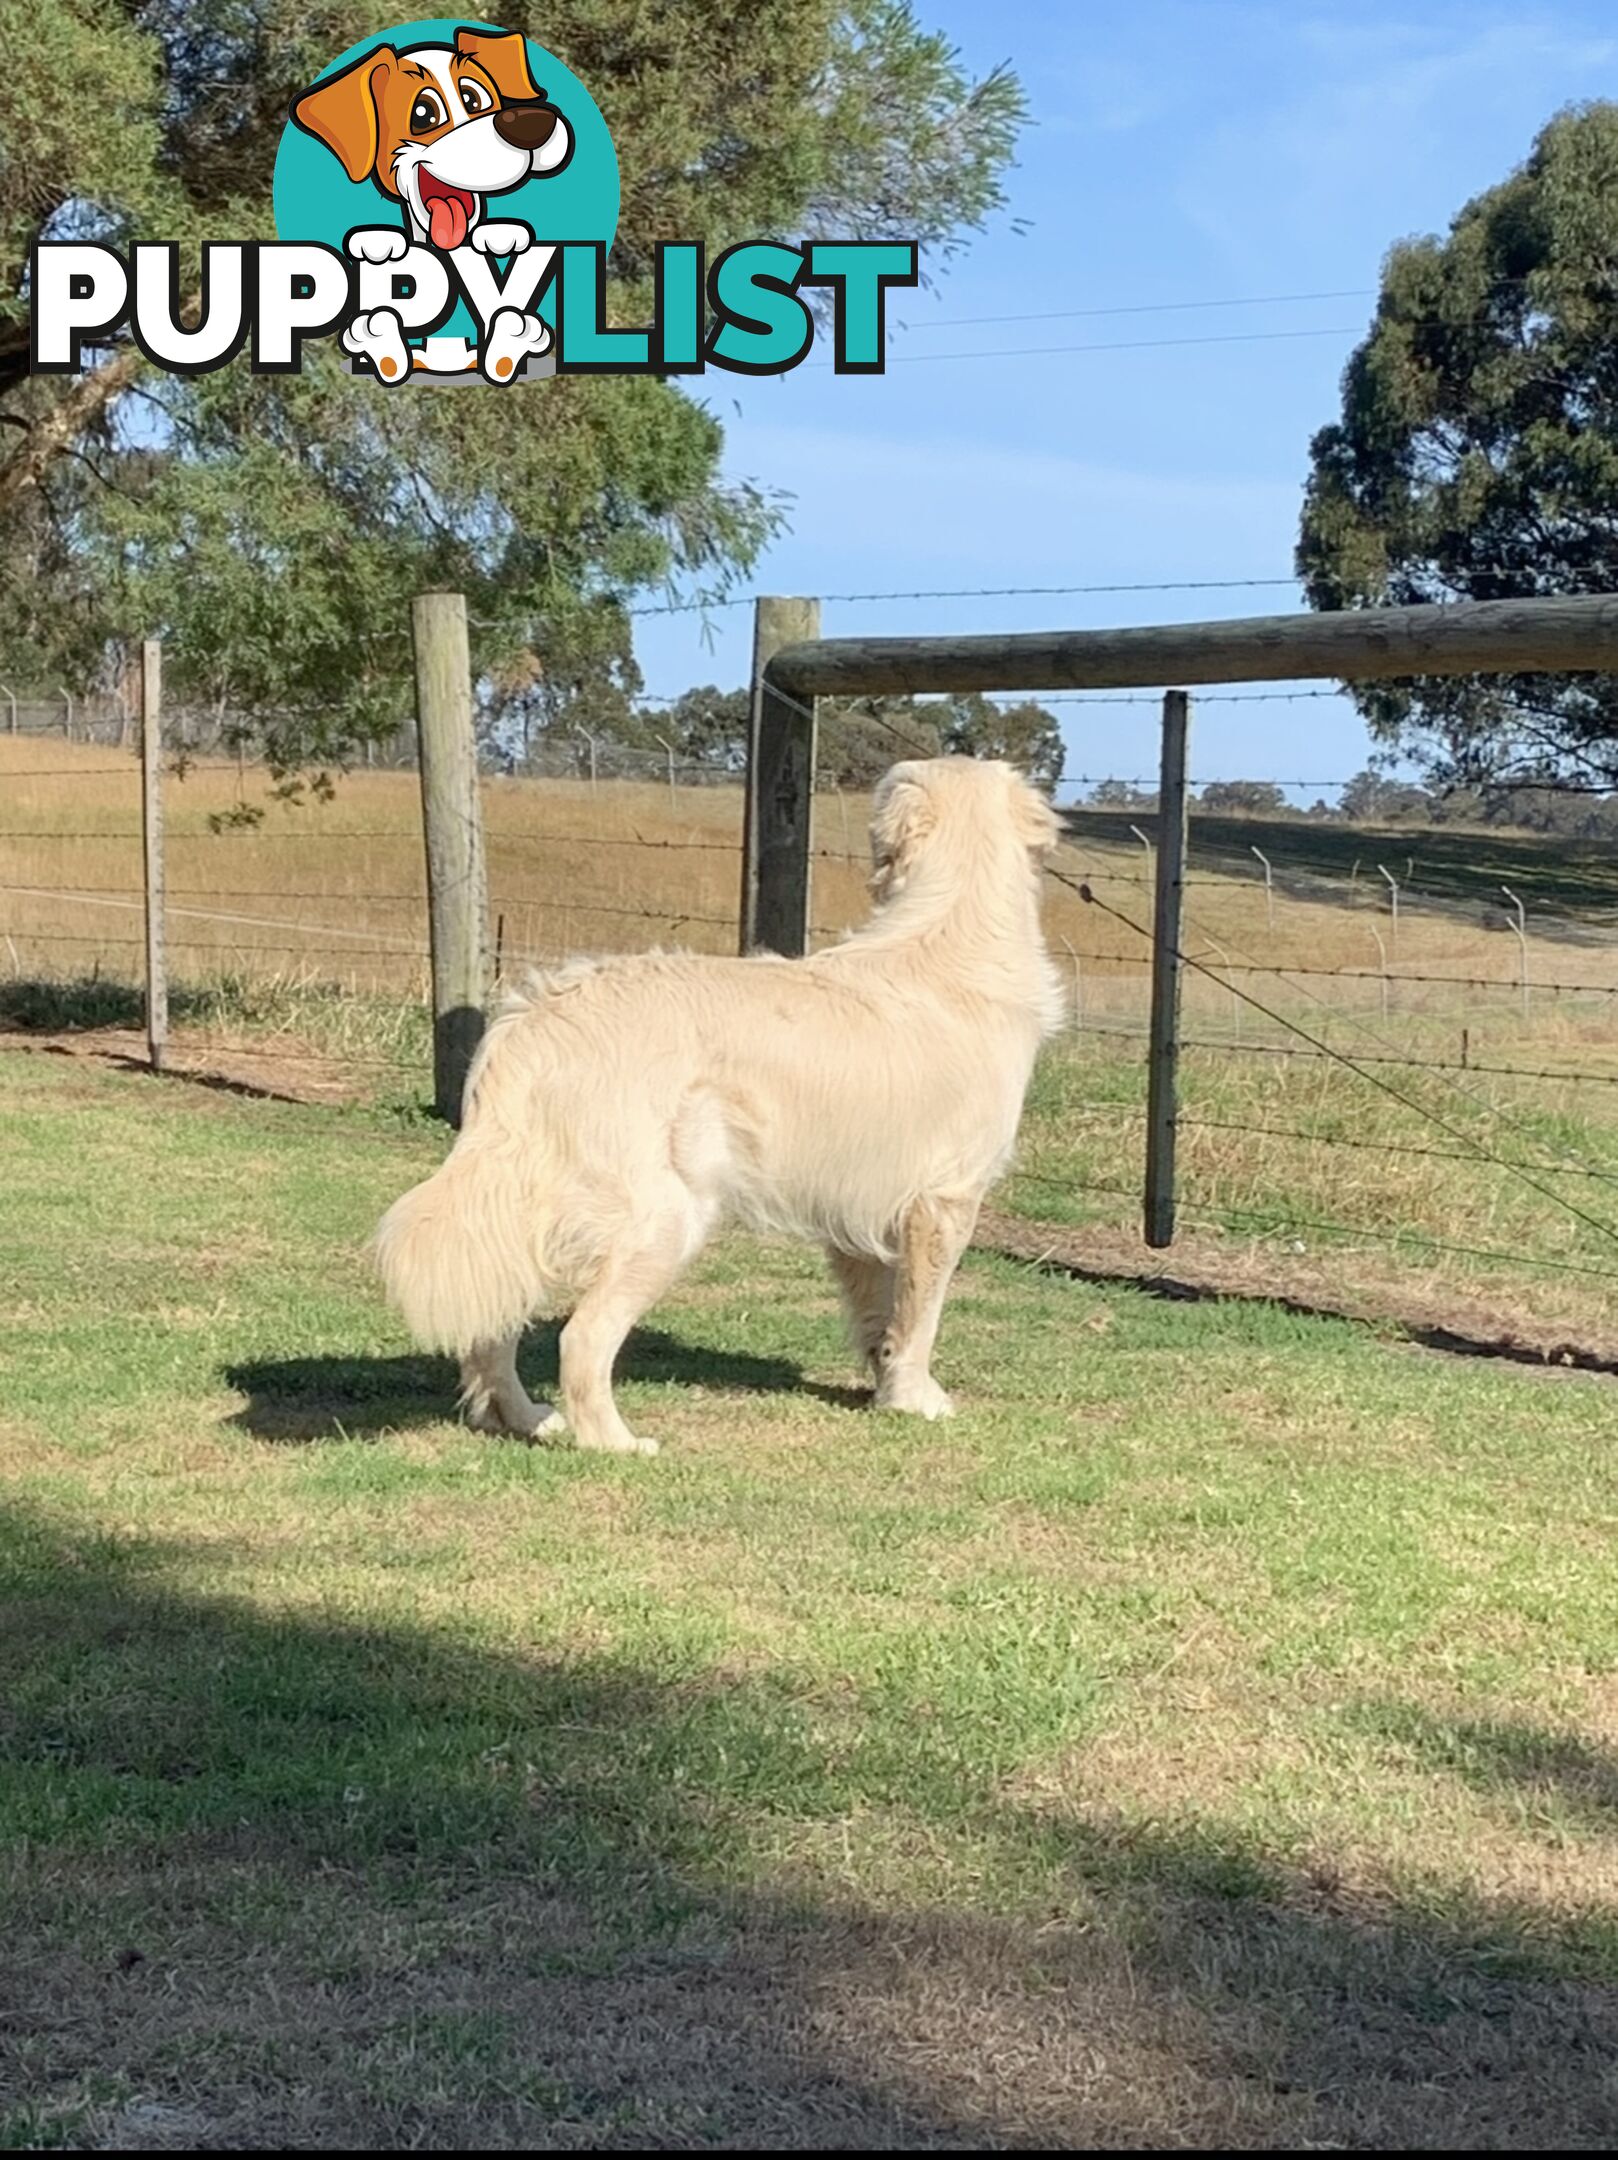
52	434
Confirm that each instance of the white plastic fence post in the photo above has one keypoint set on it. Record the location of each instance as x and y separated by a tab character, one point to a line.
1382	955
1269	888
1522	942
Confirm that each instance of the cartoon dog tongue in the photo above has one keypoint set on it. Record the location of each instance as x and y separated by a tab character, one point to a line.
447	221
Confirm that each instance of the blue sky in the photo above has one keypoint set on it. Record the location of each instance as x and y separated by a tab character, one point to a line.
1183	152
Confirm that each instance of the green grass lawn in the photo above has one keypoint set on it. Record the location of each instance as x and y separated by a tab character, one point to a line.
1210	1737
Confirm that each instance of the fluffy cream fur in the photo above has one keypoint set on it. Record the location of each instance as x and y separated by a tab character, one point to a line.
864	1098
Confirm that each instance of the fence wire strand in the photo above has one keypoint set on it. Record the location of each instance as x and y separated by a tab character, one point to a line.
1474	1149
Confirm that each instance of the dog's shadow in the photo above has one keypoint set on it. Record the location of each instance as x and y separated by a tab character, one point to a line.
295	1400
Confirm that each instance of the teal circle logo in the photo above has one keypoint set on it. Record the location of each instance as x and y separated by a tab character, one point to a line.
460	139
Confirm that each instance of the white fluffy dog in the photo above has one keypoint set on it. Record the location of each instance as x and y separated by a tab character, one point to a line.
865	1098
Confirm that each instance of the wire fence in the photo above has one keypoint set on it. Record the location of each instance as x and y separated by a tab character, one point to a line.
73	717
328	896
1472	971
1404	1061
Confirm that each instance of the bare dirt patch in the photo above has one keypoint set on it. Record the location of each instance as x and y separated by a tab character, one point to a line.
287	1072
1204	1268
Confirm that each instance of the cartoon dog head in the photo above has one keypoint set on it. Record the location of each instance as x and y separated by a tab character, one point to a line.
439	127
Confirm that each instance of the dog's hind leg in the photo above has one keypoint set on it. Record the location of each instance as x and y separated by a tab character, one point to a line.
932	1238
868	1288
632	1278
495	1398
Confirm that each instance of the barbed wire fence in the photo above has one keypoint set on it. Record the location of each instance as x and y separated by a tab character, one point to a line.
317	912
1468	969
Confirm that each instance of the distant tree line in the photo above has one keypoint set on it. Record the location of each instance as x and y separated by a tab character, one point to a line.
1373	798
532	721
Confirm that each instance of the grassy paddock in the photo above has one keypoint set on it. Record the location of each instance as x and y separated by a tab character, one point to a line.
332	892
1211	1737
1289	1161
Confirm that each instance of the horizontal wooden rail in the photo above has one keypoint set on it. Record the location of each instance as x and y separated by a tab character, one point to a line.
1466	637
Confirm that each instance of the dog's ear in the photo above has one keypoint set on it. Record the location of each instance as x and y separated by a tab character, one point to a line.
902	815
341	111
503	56
1038	826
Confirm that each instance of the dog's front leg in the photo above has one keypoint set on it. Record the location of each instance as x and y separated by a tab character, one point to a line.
932	1238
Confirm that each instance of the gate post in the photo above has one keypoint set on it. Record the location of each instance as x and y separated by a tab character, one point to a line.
1162	1093
780	789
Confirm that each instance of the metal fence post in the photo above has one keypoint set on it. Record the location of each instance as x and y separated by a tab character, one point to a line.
1078	986
1223	958
780	788
1164	1047
151	763
590	742
457	889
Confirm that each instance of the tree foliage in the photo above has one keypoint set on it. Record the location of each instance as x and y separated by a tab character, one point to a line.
860	738
710	726
1026	734
857	739
1477	455
1244	798
273	529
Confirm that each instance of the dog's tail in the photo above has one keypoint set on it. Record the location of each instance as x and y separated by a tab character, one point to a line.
455	1255
460	1254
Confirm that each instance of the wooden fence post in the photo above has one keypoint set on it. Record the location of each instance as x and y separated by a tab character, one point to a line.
457	889
151	825
1164	1044
780	789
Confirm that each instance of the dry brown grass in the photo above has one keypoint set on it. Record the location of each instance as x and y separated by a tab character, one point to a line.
334	891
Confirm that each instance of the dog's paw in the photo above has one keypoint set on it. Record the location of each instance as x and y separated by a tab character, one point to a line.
620	1443
377	244
502	237
379	337
916	1398
512	337
535	1421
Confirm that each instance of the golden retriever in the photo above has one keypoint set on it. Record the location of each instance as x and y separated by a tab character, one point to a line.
865	1098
